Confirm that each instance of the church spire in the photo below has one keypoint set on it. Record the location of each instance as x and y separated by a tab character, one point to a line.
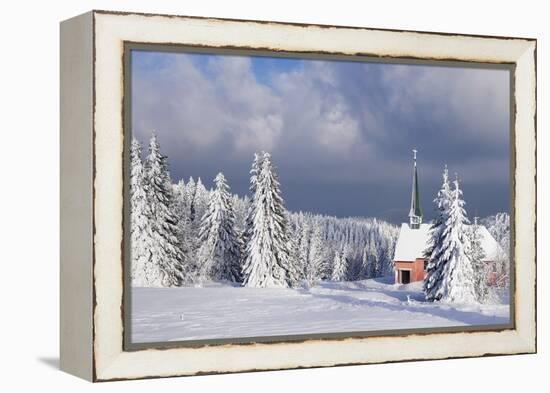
415	214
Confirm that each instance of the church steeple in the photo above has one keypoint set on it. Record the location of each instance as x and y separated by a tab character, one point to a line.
415	214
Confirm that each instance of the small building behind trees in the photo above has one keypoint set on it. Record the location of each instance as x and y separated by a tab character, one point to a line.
410	265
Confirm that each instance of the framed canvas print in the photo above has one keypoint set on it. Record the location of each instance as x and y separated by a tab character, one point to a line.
245	195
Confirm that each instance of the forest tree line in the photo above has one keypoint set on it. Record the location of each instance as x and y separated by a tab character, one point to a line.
184	233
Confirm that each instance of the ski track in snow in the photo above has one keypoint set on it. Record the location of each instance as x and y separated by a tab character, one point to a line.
219	310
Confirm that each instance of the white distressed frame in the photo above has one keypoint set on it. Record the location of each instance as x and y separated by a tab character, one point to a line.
111	30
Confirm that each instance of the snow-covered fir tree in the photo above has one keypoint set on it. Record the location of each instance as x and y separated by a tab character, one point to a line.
365	265
220	252
374	263
268	261
435	253
457	283
386	250
180	209
241	207
250	212
303	234
254	173
339	269
477	255
165	251
298	272
200	201
178	195
140	235
189	198
317	264
354	270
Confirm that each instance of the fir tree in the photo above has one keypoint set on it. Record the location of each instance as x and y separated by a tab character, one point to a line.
374	263
339	270
254	173
434	254
220	253
178	194
458	274
165	252
180	209
200	201
190	190
241	207
298	272
268	262
317	266
139	221
388	245
304	247
355	263
477	257
365	262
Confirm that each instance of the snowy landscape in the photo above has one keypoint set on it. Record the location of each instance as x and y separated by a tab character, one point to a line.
270	197
247	267
227	311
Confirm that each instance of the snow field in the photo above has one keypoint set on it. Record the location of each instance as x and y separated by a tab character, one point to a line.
219	310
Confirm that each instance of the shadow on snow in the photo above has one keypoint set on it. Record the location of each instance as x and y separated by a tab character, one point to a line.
418	304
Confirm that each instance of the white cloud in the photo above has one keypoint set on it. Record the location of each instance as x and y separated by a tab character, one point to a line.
227	104
259	133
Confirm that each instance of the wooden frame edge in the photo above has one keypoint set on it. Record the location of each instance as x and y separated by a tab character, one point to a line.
528	348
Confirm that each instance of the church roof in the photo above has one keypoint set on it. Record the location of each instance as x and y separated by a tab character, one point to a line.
490	245
412	243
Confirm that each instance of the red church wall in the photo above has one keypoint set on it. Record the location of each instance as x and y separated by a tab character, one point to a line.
416	268
419	274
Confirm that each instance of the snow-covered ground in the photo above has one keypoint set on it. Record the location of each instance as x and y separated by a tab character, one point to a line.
223	311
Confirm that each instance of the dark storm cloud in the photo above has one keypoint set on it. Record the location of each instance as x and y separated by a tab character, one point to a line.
340	133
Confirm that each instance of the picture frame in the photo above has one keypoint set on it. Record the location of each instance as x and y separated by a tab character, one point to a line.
94	163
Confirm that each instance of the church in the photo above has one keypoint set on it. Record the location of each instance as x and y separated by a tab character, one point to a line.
409	262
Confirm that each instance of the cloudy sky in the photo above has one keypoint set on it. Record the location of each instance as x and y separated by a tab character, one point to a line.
340	133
